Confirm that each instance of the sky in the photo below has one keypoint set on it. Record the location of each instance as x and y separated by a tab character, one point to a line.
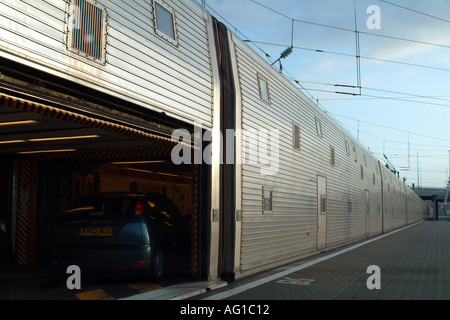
403	108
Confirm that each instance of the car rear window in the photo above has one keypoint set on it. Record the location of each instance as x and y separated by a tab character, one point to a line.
102	207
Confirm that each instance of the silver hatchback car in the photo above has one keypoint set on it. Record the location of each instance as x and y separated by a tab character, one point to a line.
121	231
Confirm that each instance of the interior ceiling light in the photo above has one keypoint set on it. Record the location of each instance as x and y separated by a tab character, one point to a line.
160	173
49	139
48	151
12	141
63	138
17	123
139	162
139	170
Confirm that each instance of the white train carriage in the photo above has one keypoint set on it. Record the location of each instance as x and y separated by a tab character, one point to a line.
328	190
293	183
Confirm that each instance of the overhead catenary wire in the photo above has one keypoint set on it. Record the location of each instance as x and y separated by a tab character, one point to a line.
392	141
416	11
391	128
375	97
405	94
307	90
349	30
380	98
346	126
358	56
351	55
323	51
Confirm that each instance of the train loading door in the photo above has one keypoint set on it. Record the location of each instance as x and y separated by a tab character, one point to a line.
69	154
367	206
321	212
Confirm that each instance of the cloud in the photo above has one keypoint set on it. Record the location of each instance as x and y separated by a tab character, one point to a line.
407	25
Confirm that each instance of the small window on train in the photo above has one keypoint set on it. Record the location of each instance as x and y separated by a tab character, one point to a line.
165	22
267	200
323	205
263	88
362	172
87	29
365	160
296	136
350	207
373	178
318	127
332	157
355	157
347	147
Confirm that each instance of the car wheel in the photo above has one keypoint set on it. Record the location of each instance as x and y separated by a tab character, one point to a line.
158	266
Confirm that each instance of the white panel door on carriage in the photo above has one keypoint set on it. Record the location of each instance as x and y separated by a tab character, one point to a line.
321	212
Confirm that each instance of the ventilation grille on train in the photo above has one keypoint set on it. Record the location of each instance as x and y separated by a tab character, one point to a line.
87	29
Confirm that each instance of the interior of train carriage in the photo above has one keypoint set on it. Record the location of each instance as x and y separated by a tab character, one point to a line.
47	161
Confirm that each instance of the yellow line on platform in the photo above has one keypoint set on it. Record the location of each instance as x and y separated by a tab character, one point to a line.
98	294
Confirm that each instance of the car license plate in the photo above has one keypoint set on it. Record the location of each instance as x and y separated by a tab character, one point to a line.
96	232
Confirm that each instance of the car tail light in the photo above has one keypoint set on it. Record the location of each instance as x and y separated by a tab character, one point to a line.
139	263
139	208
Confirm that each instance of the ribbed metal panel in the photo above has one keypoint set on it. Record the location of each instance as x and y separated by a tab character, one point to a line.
135	63
354	182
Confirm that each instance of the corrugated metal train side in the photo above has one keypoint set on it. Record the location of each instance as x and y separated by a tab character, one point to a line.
361	197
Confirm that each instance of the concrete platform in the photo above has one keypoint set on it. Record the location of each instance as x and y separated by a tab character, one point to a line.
414	264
